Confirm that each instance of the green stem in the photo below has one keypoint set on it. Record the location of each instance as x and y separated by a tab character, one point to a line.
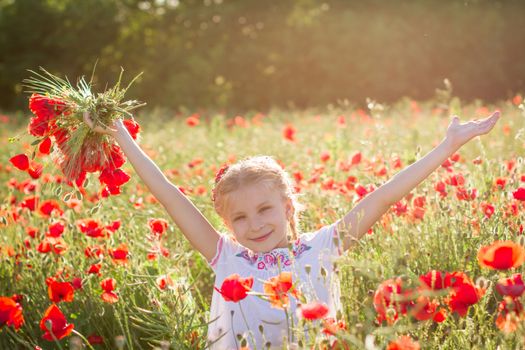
233	332
247	326
287	323
84	339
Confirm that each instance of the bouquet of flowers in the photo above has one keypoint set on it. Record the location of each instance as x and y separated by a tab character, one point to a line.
58	109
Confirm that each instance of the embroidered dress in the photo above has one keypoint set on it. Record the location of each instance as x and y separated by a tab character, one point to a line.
228	319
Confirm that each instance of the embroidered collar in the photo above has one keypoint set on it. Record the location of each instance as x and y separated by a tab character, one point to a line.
275	257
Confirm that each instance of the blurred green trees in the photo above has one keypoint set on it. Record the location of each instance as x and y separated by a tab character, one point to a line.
252	54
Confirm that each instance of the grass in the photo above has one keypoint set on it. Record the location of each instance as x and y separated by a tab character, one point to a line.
446	239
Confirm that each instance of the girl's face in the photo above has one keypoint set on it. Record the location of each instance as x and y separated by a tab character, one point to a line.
258	216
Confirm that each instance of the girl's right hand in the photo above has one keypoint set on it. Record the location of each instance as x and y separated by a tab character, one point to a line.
101	129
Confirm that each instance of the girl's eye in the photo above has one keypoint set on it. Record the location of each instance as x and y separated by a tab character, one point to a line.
264	208
238	218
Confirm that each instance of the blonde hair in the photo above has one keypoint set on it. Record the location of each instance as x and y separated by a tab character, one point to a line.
256	170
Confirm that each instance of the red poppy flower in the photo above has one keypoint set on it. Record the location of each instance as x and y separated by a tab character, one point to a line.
45	146
60	291
440	316
91	228
94	339
361	190
192	120
20	161
433	279
404	342
356	158
108	285
44	107
79	180
114	226
220	173
38	127
119	254
325	156
488	209
55	324
234	288
289	132
10	313
95	269
35	170
58	245
29	202
49	206
56	229
94	251
424	308
164	282
157	226
32	231
501	255
462	297
115	177
440	187
510	315
331	326
132	126
115	157
44	246
519	194
388	300
61	137
463	194
277	289
511	286
76	283
313	310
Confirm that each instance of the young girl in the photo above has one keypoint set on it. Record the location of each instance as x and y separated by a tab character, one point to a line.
255	198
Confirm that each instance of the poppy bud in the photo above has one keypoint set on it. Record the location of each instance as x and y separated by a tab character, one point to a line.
307	268
323	272
120	341
482	283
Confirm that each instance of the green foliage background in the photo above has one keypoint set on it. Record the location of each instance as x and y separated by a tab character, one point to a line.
255	54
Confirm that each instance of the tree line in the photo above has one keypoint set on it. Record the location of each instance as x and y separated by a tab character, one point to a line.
253	54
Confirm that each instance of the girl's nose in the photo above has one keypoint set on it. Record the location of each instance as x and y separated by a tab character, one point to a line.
257	225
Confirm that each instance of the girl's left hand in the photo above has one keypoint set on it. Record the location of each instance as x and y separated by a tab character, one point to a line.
459	134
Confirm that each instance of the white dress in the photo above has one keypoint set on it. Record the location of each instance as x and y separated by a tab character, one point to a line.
317	249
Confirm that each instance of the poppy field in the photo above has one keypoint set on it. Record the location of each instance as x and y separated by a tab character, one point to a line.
96	263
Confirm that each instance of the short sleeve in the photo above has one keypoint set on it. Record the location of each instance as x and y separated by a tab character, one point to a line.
226	245
325	239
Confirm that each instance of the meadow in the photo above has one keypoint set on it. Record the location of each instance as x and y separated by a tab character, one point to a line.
135	282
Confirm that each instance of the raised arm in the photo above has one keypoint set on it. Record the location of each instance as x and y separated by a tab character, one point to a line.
188	218
369	210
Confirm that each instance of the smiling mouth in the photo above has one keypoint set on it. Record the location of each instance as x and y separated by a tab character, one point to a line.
262	238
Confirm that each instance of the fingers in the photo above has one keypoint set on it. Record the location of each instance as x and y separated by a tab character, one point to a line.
488	123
